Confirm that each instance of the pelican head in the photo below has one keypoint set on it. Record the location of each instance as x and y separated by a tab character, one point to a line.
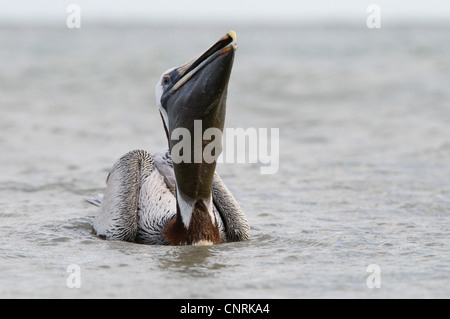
196	91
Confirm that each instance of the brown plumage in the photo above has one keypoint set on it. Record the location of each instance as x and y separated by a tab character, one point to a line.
201	228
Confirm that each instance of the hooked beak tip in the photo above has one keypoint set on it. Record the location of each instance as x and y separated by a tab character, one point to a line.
232	35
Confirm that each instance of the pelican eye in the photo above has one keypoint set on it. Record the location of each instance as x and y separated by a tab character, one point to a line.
166	80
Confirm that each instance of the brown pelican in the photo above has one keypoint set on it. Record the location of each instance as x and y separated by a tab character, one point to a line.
152	199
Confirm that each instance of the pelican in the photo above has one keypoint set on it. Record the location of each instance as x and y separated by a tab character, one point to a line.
152	199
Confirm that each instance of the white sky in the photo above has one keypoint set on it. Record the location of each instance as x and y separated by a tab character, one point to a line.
226	10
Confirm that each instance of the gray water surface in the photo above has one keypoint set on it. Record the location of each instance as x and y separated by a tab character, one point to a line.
364	174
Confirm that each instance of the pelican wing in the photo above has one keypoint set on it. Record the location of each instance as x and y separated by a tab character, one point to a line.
236	224
118	215
164	164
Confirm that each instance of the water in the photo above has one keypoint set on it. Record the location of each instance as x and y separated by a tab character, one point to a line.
364	174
